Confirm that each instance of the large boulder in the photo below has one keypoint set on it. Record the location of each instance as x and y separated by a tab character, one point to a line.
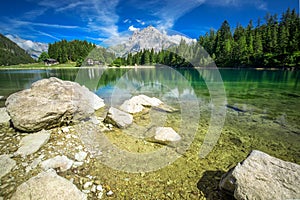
50	103
118	118
33	142
6	165
48	186
261	176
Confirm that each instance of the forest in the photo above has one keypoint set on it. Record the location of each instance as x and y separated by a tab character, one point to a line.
274	43
11	53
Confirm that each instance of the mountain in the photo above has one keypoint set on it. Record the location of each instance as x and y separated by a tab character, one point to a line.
148	38
34	49
11	53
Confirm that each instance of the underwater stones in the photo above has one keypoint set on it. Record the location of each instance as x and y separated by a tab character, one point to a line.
62	163
6	165
4	117
166	134
51	103
118	118
136	104
33	142
261	176
48	186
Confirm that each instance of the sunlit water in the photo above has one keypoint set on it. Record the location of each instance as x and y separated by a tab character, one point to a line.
262	113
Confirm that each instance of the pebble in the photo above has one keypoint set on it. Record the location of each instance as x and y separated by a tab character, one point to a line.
65	129
100	194
78	164
93	189
99	188
80	156
109	193
87	185
68	136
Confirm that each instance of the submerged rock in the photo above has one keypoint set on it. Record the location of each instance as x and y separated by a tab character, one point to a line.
63	163
118	118
33	142
4	117
6	165
48	186
261	176
50	103
136	104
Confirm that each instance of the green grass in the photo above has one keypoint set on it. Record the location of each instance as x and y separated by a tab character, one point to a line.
39	66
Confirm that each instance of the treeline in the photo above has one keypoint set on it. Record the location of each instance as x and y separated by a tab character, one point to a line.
12	54
79	51
275	43
64	51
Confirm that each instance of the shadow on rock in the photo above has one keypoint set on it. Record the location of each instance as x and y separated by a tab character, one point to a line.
209	185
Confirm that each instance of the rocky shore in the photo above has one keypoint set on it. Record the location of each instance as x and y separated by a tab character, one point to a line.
44	156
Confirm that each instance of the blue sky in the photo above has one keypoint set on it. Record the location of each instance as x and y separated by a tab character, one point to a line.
111	21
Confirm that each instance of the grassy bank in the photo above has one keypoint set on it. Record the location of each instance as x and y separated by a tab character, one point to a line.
39	66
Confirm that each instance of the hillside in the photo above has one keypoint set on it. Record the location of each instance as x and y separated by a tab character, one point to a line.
11	53
34	49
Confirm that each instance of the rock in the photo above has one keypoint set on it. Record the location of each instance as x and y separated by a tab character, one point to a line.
261	176
65	129
77	164
118	118
165	108
87	185
166	134
51	103
109	193
34	163
80	156
61	162
4	117
48	186
136	104
6	165
33	142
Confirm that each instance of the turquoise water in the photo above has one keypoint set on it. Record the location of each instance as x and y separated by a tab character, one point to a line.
263	112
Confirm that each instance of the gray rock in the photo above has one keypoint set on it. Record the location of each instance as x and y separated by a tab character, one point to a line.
4	117
6	165
118	118
165	108
261	176
33	142
51	103
136	104
166	134
62	163
48	186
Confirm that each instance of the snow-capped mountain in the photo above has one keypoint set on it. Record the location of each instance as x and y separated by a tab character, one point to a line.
34	49
148	38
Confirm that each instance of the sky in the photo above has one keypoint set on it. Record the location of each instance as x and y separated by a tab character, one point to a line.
108	22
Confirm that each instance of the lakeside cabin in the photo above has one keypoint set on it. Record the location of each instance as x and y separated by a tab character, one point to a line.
50	61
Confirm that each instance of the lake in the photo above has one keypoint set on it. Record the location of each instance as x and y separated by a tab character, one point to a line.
240	109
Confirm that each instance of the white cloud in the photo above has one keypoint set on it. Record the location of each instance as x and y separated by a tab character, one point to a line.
132	28
140	22
259	4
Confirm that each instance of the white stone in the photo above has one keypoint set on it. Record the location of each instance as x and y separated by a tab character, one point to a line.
33	142
93	189
166	134
99	188
62	163
261	176
78	164
4	117
119	118
87	185
80	156
109	193
65	129
6	165
48	186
